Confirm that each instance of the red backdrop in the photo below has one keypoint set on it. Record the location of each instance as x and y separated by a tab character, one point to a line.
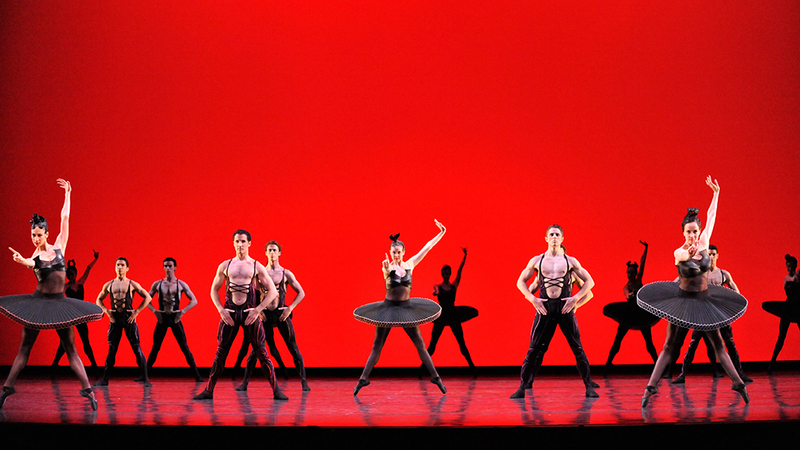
330	125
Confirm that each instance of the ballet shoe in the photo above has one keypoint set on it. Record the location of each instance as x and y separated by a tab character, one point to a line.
648	391
742	390
205	395
520	393
89	393
242	387
306	388
593	384
361	383
681	379
745	378
278	395
590	392
438	382
7	391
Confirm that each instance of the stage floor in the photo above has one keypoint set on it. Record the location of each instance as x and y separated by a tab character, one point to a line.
406	402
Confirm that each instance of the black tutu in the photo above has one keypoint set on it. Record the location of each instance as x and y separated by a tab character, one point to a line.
630	315
706	310
48	311
783	309
389	313
458	314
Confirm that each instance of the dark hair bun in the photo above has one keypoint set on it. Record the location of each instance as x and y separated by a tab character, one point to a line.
38	221
692	211
394	237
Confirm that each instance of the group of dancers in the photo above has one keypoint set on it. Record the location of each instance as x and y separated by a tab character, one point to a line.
255	300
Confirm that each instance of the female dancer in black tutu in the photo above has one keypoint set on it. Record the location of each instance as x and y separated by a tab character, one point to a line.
693	303
629	315
74	289
452	316
788	311
399	310
47	308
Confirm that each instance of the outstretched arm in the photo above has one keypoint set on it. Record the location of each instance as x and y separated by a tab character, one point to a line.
705	236
63	235
27	262
414	260
460	268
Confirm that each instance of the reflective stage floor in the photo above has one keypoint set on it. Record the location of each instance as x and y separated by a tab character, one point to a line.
393	412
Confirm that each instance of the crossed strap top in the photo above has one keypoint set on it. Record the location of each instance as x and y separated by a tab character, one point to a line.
564	281
240	288
165	302
121	305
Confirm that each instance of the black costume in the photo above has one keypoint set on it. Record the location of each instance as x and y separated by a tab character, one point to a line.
398	313
452	316
693	303
727	337
631	317
47	307
544	327
81	328
788	311
165	302
227	333
272	319
120	310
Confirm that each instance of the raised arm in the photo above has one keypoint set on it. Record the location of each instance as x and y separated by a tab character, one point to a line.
85	276
705	236
640	275
414	260
291	280
63	235
460	268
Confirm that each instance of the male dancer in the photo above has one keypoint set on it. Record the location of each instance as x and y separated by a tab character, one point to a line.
718	277
169	314
555	307
281	317
122	316
240	310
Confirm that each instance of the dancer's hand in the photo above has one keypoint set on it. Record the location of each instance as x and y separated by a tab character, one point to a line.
538	304
252	316
643	243
225	315
439	224
18	257
178	315
159	316
569	305
714	185
464	249
110	316
286	311
134	314
64	184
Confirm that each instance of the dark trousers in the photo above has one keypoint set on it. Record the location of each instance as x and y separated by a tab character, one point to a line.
544	327
115	330
168	323
227	333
